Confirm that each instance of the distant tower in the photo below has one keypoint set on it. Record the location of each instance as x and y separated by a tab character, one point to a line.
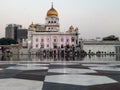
11	31
52	20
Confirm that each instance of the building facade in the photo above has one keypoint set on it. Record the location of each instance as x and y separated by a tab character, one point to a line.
49	36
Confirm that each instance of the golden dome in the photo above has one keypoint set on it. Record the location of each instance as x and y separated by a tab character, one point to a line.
32	25
52	12
71	28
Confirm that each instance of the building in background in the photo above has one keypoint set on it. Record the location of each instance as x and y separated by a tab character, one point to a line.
15	31
22	37
11	31
102	47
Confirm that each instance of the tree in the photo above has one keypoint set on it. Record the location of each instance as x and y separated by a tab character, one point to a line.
111	38
7	41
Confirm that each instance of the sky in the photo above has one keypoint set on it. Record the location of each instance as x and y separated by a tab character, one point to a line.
94	18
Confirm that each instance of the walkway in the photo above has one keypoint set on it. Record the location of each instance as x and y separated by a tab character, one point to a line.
59	76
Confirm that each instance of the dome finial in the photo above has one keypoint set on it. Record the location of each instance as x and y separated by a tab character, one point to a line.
52	4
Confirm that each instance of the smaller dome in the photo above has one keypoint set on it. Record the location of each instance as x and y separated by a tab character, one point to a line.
71	28
32	25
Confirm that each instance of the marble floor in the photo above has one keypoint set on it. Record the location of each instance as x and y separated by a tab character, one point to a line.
60	76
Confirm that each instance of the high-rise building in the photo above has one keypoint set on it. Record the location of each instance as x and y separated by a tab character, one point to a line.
15	31
21	35
11	31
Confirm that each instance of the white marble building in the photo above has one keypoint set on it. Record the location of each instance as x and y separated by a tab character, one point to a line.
102	46
49	36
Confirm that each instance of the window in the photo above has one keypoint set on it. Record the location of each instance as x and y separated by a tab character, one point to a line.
42	40
42	45
48	45
55	40
54	21
72	39
62	39
55	46
36	39
62	46
49	22
67	40
36	45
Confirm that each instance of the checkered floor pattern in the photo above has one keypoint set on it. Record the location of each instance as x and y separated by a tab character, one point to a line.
59	76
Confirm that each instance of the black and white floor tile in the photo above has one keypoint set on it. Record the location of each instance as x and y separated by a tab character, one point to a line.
60	76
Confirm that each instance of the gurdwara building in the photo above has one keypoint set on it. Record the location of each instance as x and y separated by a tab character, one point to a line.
48	36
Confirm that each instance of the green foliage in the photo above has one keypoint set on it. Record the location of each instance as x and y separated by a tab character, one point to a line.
7	41
111	38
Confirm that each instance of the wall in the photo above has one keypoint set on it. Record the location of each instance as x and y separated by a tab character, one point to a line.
101	48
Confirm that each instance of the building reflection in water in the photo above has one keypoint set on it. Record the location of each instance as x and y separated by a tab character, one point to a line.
5	57
60	58
117	57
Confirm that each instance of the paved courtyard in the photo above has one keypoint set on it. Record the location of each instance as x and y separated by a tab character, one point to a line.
60	75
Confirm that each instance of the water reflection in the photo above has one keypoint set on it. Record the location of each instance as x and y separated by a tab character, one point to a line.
117	57
59	58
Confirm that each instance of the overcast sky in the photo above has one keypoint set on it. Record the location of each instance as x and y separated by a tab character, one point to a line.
94	18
